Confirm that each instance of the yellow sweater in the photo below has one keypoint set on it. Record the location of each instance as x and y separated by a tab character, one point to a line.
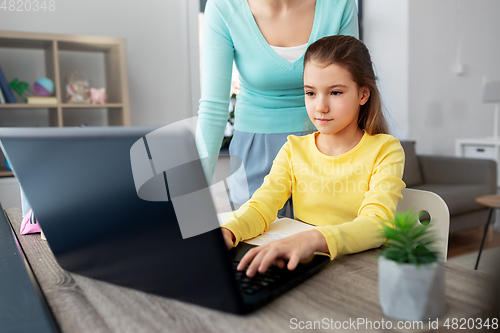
346	196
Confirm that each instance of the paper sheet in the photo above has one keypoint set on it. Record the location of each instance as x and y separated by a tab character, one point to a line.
278	229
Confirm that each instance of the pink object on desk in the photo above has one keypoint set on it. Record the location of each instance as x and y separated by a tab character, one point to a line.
29	224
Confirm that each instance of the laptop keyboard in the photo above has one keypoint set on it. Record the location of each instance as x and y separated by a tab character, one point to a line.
259	281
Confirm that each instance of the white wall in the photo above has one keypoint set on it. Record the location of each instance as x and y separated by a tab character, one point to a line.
385	33
417	47
445	104
162	48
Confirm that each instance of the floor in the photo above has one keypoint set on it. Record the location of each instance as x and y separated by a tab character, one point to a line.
488	263
469	241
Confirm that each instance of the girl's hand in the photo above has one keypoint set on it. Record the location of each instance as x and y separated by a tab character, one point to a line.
292	248
228	238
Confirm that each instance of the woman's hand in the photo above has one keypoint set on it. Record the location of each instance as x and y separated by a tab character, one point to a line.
228	238
293	248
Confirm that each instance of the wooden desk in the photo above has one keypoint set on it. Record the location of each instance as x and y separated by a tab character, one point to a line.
345	290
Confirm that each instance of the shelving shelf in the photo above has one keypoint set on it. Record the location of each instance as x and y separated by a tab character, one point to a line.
92	106
26	106
56	49
112	51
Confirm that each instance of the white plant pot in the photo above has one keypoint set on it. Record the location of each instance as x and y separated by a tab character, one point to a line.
408	292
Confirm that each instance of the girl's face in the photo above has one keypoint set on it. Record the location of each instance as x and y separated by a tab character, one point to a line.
332	98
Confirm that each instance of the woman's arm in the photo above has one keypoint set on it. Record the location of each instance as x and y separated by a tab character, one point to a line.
216	69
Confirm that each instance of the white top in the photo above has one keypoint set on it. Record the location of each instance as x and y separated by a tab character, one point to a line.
290	54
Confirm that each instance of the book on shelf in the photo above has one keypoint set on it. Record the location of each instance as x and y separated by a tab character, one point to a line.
42	100
7	92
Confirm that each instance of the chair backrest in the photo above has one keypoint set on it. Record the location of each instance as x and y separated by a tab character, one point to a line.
419	201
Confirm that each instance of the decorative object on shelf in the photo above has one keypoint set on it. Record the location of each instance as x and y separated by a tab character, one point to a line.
7	92
98	95
491	94
49	100
77	88
43	87
21	88
411	276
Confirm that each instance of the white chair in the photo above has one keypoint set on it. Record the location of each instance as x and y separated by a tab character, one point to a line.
430	202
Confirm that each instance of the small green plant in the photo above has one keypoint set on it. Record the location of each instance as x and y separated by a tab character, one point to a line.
409	241
21	88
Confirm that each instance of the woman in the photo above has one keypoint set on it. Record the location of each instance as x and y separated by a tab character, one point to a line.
267	40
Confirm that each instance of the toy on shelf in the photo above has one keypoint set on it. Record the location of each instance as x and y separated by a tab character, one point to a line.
77	89
98	95
43	87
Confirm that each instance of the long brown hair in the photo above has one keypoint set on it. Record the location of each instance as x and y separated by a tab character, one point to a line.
352	54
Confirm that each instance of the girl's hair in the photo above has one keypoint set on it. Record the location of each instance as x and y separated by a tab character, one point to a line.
352	54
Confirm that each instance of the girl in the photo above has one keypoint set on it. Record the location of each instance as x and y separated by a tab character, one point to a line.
345	178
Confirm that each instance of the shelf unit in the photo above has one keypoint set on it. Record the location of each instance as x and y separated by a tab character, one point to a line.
115	65
112	53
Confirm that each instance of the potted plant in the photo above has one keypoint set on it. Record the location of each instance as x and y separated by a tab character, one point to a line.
411	274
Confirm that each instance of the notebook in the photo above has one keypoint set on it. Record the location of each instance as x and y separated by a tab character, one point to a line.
131	206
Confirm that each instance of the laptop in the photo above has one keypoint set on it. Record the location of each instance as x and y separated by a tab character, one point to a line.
104	219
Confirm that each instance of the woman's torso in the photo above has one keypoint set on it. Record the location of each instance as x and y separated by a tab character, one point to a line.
271	97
